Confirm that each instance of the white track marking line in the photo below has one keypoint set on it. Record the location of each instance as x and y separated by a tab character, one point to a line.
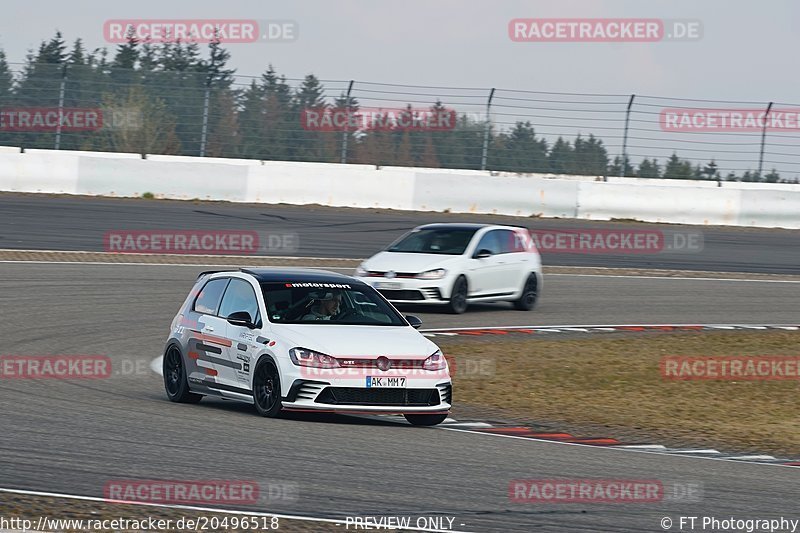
751	458
699	452
118	254
680	278
617	448
194	508
607	327
340	267
196	265
157	365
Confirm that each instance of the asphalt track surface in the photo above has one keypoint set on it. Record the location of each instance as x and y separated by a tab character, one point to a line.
40	222
76	436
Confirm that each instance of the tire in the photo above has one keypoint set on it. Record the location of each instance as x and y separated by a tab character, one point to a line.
267	389
458	297
425	420
175	383
530	294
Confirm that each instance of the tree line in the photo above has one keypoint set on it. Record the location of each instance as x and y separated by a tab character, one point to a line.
161	98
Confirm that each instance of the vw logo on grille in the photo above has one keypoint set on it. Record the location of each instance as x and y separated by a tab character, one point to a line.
383	363
391	274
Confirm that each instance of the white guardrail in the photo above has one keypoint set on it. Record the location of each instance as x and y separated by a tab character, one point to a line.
457	191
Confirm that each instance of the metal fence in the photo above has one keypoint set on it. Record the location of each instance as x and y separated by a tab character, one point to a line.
270	117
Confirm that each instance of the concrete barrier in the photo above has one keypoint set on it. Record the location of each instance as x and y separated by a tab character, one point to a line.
364	186
518	196
678	205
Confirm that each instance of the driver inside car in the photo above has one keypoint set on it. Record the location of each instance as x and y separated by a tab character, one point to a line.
326	306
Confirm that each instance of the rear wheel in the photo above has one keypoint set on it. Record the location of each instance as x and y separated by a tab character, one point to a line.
175	382
530	293
425	420
458	297
267	389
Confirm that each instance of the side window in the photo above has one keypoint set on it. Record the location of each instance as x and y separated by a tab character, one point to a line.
240	296
510	242
490	242
208	300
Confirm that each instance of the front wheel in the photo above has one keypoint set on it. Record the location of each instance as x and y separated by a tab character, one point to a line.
175	378
458	298
425	420
267	389
530	293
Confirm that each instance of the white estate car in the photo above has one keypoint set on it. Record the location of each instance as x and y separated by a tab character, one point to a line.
455	264
303	340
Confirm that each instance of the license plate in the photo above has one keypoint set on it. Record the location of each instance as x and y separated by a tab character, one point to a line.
388	285
385	382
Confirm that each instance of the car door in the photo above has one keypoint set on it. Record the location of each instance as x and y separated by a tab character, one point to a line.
208	345
240	296
517	263
486	274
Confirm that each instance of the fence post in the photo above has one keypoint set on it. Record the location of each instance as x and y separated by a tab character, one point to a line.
485	153
346	132
625	138
763	140
204	133
61	94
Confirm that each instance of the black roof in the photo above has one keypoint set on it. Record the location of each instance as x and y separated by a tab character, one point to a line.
281	274
455	226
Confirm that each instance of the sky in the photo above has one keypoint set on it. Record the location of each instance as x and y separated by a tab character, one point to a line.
744	54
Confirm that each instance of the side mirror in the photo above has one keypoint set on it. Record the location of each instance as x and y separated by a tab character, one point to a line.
241	318
415	321
483	253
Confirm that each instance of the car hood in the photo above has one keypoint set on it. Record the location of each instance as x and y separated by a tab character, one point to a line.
362	341
408	262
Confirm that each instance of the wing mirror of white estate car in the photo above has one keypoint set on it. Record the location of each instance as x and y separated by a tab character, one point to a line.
483	253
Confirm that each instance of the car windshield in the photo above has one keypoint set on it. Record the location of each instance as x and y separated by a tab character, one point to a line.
328	303
444	241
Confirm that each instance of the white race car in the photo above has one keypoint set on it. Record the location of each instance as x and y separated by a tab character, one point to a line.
455	264
303	340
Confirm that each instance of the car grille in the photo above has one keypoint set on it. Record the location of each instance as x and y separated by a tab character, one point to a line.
381	274
308	390
401	294
432	293
388	397
446	393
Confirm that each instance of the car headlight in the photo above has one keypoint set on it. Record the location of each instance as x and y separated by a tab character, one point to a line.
361	271
303	357
436	361
438	273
